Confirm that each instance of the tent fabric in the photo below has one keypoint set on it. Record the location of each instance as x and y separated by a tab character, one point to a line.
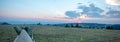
23	37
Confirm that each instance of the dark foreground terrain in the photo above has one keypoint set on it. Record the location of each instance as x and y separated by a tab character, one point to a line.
62	34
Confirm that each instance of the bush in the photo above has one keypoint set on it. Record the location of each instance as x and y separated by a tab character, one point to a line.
109	27
66	25
39	24
78	26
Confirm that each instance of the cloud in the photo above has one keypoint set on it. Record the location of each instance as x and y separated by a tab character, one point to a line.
72	14
113	14
93	13
113	2
79	3
91	10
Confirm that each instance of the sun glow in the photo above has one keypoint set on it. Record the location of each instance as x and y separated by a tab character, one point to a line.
84	16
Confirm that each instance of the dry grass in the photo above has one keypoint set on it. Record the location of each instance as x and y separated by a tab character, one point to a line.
62	34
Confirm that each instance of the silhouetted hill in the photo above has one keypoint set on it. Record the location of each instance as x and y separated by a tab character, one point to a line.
116	26
90	25
4	23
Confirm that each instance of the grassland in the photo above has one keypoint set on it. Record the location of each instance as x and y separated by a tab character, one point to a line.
62	34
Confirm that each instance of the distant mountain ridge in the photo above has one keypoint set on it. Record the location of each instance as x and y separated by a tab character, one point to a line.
90	25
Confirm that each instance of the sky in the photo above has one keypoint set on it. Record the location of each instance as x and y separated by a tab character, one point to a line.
60	11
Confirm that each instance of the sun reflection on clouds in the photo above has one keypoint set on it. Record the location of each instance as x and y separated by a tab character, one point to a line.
83	16
113	2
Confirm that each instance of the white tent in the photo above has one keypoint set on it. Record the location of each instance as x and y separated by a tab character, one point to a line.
23	37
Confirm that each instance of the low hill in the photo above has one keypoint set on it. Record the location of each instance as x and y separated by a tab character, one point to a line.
90	25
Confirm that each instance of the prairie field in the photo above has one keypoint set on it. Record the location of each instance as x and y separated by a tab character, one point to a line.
61	34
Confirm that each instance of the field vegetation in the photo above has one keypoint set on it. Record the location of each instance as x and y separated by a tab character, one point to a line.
61	34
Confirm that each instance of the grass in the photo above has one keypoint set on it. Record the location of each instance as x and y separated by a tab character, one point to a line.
62	34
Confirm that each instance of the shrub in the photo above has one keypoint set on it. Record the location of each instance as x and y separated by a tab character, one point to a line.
39	24
109	27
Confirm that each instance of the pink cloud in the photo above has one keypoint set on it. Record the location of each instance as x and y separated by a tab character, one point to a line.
80	19
64	19
113	2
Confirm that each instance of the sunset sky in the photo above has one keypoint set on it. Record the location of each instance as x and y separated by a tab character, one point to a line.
60	11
